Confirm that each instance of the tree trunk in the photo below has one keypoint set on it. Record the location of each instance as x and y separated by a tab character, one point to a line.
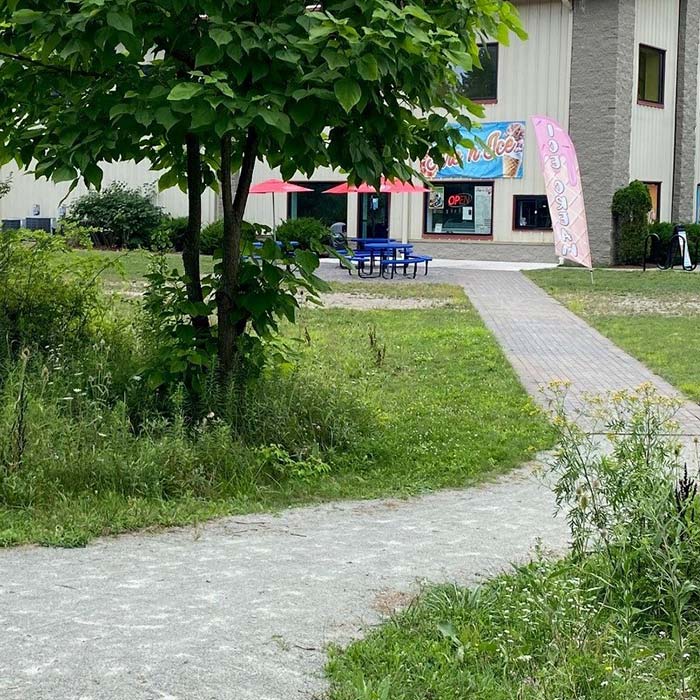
190	244
234	209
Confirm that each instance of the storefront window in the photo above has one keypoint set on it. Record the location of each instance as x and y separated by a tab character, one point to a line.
531	212
459	208
329	208
481	83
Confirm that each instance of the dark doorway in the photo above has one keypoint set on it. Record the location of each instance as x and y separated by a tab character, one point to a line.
373	216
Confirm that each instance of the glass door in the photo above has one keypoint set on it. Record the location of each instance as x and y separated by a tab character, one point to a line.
374	216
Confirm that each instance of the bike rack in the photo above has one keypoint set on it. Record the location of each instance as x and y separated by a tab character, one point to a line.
676	248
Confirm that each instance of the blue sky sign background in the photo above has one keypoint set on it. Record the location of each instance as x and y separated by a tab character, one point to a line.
506	140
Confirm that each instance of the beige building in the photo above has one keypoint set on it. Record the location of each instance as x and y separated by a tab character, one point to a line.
622	75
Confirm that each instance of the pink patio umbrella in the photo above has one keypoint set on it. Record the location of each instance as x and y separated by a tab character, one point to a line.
386	187
274	186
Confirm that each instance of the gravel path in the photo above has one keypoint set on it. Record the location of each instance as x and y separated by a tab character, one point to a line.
242	609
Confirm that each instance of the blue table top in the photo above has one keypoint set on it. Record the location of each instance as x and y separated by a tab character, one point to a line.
388	246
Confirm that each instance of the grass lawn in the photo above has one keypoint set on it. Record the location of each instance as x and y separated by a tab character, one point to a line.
652	315
447	409
541	633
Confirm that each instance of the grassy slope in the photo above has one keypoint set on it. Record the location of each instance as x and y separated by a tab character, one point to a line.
669	345
452	412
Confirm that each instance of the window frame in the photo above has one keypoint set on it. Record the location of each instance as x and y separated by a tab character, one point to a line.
662	77
489	100
516	226
454	235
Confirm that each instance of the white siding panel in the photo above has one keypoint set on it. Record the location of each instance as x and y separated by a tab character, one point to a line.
533	78
28	191
653	128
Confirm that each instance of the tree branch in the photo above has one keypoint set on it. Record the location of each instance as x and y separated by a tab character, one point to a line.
50	67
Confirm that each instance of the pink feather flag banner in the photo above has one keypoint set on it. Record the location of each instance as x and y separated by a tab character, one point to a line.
562	179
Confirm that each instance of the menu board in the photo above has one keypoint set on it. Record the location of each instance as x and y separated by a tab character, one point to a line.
482	209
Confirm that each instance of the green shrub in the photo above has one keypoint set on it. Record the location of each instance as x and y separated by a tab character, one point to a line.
170	235
309	233
46	296
631	206
124	217
634	512
665	231
76	235
213	234
211	237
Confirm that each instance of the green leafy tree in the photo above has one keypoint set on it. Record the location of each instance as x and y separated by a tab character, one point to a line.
5	186
204	86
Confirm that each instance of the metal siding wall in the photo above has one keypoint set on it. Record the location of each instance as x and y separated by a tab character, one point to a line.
533	78
27	191
653	129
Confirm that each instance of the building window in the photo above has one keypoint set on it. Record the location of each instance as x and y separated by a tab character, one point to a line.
463	208
481	84
531	212
652	65
329	208
655	194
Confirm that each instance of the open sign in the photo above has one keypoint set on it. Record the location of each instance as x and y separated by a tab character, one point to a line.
459	200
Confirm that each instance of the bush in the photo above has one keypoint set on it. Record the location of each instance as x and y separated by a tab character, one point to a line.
665	231
75	235
631	206
170	235
212	235
46	296
633	513
309	233
124	217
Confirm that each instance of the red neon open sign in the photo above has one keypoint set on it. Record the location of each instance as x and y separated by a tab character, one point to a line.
459	200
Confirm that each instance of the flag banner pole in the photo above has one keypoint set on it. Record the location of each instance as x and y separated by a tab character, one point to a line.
562	180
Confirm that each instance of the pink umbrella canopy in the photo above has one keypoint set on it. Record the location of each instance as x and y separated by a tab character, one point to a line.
275	186
386	187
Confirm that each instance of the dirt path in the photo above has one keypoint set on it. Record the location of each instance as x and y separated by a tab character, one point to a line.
244	608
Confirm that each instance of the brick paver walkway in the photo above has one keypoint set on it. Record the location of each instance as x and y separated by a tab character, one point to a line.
545	342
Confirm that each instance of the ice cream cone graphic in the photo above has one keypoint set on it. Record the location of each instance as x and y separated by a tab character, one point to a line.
511	166
514	158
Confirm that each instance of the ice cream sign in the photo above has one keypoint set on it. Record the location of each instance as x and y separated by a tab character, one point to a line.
502	156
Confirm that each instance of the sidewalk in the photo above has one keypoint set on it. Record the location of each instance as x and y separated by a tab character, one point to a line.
546	342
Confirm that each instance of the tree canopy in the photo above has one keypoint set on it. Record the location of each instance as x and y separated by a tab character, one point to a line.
366	86
206	88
